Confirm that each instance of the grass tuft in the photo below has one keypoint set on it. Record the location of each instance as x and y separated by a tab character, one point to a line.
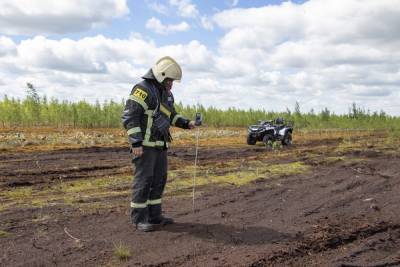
3	234
121	251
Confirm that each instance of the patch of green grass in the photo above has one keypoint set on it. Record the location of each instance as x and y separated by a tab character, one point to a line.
121	251
3	234
331	160
3	207
41	218
41	202
98	184
74	193
237	177
17	193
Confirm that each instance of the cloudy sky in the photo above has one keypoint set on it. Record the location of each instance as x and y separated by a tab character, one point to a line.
234	53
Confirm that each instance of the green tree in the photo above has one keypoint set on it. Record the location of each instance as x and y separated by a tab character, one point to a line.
32	104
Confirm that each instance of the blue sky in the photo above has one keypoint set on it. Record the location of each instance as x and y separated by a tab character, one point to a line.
234	53
141	11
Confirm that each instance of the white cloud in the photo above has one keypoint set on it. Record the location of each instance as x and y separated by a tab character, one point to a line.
57	17
335	51
90	68
207	23
157	26
185	8
7	46
321	53
159	8
194	56
61	55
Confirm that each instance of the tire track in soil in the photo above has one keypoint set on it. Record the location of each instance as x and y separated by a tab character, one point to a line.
24	169
21	169
331	241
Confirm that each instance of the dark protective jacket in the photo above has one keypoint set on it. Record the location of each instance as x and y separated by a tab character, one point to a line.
145	99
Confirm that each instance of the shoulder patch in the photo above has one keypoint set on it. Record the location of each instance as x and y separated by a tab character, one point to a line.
140	93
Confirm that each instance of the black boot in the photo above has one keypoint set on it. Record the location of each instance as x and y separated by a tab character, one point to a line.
161	220
145	227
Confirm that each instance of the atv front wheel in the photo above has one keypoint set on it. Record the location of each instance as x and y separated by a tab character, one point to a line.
251	140
287	139
268	141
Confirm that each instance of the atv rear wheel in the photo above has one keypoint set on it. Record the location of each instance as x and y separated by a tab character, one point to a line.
251	140
287	139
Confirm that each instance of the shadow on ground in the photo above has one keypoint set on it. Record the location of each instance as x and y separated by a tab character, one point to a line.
252	235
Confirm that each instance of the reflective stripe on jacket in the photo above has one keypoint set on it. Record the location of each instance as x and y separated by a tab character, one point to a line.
137	117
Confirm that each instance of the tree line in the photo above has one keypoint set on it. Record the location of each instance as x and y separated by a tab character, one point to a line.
34	110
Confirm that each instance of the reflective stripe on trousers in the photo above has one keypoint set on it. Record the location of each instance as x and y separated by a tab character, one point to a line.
144	205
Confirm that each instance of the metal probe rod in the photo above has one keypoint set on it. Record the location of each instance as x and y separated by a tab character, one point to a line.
195	166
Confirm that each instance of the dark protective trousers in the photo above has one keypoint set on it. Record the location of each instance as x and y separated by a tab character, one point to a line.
149	181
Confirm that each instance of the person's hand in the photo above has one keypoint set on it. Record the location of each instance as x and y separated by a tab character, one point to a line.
192	125
137	151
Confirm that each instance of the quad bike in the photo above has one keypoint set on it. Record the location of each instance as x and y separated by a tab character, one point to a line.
271	131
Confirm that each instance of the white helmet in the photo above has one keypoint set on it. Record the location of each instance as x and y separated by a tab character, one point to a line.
167	67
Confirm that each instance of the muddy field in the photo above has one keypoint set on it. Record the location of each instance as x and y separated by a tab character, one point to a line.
328	200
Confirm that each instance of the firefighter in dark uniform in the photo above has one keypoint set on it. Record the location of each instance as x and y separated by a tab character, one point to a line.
148	114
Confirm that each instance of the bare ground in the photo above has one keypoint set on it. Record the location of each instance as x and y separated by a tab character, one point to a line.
344	211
